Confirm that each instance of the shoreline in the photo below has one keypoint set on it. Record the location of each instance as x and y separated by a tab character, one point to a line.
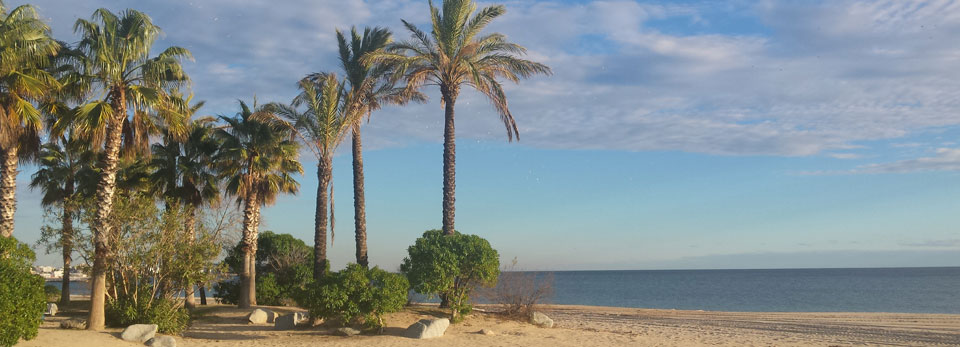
576	325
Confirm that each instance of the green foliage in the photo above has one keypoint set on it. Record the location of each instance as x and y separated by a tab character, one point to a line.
169	317
356	295
283	268
22	298
52	292
452	266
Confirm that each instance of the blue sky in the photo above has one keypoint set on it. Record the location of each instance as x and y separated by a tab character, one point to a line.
681	134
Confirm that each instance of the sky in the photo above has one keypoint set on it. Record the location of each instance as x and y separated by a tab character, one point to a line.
672	134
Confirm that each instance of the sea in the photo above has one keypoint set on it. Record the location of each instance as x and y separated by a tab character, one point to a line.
908	290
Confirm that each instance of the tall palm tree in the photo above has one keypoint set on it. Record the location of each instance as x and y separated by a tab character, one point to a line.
368	87
182	172
454	55
257	158
60	173
321	126
130	83
25	50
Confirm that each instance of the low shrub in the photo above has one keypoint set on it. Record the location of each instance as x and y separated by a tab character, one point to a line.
519	293
52	292
451	266
356	295
22	300
167	314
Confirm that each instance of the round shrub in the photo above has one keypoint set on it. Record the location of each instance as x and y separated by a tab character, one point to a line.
451	266
283	268
22	300
356	295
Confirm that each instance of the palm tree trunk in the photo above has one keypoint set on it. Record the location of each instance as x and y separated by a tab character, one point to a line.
66	240
190	226
359	204
320	219
8	189
106	188
248	275
449	162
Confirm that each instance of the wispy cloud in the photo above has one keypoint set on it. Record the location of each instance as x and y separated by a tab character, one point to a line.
818	79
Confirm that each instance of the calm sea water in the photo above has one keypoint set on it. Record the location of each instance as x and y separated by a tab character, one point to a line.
917	290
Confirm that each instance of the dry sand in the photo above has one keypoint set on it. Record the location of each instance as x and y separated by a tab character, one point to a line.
220	325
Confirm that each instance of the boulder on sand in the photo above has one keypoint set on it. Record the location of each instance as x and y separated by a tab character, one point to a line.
73	323
427	328
162	341
347	332
51	309
139	332
541	320
290	321
261	316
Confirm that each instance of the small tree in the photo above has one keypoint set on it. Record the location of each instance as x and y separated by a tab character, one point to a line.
22	299
285	263
451	266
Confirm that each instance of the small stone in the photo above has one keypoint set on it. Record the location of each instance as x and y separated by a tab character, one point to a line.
51	309
290	321
347	331
541	320
73	323
427	328
139	332
162	341
261	316
487	332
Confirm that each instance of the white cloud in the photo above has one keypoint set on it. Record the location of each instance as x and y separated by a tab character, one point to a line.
820	79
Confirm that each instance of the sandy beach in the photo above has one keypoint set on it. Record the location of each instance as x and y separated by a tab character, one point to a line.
220	325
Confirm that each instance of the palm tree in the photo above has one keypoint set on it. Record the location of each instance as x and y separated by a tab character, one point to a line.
321	126
130	82
25	50
182	172
455	55
368	87
60	174
257	159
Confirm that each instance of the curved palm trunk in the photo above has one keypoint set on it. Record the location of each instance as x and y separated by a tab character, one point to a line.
106	188
449	162
324	173
66	240
8	190
359	204
248	276
190	226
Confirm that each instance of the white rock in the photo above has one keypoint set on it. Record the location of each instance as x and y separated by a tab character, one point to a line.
51	309
261	316
162	341
487	332
139	332
427	328
541	320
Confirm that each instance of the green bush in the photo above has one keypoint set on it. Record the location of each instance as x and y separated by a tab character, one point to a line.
451	266
22	300
52	292
356	295
284	266
169	317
